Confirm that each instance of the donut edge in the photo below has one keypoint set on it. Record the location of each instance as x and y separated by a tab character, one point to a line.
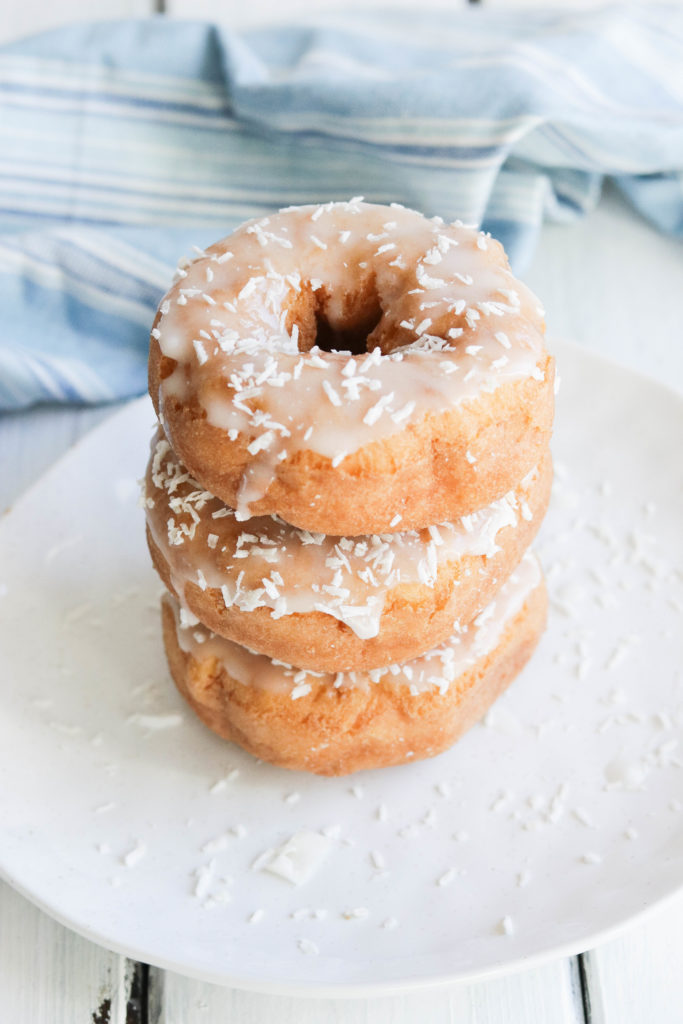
355	729
416	618
436	469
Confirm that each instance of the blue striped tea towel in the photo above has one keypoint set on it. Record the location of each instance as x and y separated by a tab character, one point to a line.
123	144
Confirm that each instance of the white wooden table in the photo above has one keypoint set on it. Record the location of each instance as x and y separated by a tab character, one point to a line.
630	281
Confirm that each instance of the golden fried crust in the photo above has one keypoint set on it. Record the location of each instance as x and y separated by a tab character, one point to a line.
438	468
338	731
415	617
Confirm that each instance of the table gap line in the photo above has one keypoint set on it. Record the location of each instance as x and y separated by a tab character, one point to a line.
583	968
136	995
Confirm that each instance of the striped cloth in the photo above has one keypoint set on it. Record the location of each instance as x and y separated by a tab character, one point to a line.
124	144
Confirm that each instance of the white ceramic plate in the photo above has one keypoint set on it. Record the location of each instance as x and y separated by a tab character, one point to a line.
556	822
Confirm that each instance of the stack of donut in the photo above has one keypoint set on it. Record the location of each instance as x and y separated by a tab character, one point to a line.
355	405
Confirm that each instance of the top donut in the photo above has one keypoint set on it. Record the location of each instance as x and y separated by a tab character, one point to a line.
353	368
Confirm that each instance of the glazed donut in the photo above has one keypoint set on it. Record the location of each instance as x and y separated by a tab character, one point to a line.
334	725
354	369
331	603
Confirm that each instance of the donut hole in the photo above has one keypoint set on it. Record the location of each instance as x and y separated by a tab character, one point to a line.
348	337
336	323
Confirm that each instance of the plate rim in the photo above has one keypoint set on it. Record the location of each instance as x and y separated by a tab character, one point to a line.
365	990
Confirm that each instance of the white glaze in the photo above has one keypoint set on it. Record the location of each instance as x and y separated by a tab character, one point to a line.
455	323
270	564
436	669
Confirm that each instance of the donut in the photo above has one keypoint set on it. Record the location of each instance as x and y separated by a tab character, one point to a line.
331	603
335	725
354	369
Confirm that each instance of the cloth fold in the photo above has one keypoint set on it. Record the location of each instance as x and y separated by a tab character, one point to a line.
124	144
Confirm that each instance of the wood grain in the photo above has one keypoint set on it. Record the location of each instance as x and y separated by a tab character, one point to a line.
637	977
544	995
48	975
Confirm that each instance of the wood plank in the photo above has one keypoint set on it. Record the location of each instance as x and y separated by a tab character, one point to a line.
259	12
548	993
574	5
48	975
612	282
32	16
638	977
31	441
